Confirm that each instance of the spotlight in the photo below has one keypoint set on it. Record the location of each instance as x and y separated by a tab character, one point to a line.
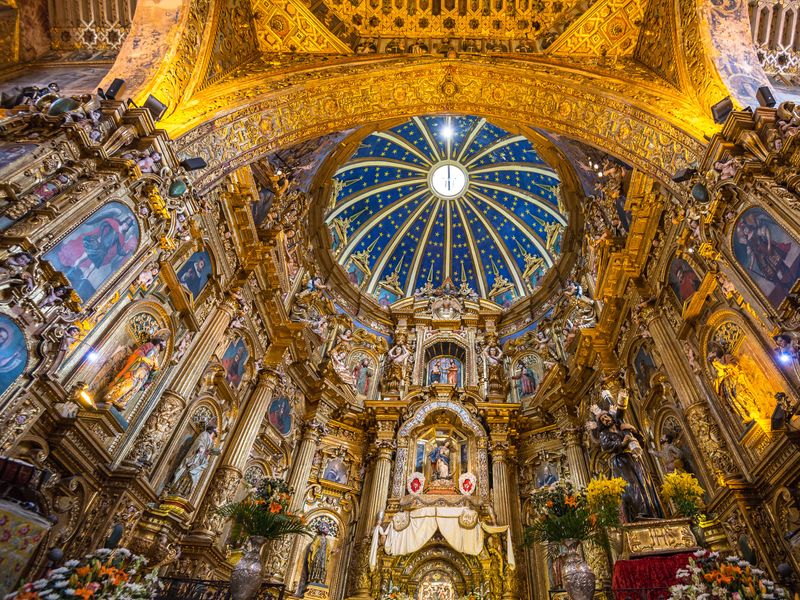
447	131
684	174
92	356
117	88
192	164
155	106
765	97
722	109
784	358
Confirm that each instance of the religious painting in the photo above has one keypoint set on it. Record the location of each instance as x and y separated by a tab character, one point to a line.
11	152
96	249
505	299
546	474
445	370
386	298
260	208
363	368
768	254
234	361
195	273
279	415
526	375
13	353
126	364
335	471
682	279
355	274
643	370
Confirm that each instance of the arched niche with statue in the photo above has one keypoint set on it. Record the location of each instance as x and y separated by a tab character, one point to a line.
443	440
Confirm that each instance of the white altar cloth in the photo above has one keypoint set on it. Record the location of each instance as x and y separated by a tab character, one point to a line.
459	525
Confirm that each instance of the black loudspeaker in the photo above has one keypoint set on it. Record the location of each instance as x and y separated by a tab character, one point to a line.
684	174
722	109
116	89
765	97
155	106
192	164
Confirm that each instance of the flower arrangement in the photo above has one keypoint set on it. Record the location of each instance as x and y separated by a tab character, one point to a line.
563	514
709	576
107	574
265	513
685	491
604	497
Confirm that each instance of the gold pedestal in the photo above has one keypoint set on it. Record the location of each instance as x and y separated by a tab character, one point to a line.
661	536
316	591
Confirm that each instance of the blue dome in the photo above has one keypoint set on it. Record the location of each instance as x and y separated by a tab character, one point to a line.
443	197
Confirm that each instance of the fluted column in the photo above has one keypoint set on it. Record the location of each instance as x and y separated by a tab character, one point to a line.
373	504
228	474
301	468
690	394
572	438
502	506
148	444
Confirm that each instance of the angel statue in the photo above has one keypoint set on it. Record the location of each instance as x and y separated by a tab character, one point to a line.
623	443
195	460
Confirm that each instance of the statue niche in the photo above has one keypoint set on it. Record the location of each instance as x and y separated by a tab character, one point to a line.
442	454
444	364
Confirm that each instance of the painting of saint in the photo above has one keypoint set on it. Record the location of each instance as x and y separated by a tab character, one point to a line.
195	272
335	471
505	299
96	249
769	255
234	361
363	375
11	153
13	353
525	379
260	208
386	298
546	474
682	279
137	372
279	414
643	368
354	274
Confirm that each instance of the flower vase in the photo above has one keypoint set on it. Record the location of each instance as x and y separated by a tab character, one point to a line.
247	574
578	577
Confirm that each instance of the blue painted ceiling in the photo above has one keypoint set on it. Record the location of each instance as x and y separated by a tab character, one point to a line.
392	234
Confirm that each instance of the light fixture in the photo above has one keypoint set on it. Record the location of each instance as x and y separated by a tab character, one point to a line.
447	130
92	356
81	395
448	180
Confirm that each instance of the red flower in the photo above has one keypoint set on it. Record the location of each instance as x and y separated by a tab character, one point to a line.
275	507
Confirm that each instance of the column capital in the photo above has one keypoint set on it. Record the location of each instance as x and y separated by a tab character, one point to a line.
572	436
385	448
313	431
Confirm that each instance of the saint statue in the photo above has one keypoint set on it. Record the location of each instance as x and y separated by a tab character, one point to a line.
440	460
137	371
670	455
363	375
622	442
396	361
194	462
315	563
734	385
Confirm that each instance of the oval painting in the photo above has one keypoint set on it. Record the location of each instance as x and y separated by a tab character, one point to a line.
13	353
279	414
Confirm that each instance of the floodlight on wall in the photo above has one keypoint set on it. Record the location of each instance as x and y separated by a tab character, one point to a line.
155	106
722	109
765	97
192	164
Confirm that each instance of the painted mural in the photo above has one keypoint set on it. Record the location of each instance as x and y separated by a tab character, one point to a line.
195	273
13	353
769	255
526	375
96	249
234	361
279	415
335	471
682	279
643	370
